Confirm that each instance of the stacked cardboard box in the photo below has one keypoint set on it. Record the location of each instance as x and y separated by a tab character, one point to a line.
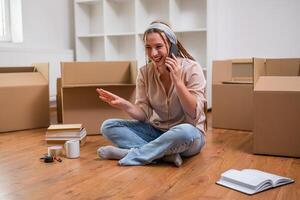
24	101
79	99
277	107
232	94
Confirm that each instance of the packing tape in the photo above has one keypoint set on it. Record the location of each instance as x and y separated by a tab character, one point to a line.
55	151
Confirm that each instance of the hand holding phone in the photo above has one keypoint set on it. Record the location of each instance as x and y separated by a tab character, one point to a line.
173	50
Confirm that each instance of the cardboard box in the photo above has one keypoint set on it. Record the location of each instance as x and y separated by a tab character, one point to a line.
277	107
24	101
80	101
232	94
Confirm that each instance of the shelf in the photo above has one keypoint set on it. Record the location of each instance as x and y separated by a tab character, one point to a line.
122	34
88	2
90	36
188	14
90	49
140	50
120	47
119	16
149	11
190	30
112	30
195	44
89	17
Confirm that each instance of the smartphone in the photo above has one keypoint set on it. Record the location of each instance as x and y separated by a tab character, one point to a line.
173	50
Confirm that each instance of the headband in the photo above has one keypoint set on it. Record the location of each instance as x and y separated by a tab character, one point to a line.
164	28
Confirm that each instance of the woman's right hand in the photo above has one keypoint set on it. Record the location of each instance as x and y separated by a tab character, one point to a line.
111	99
132	110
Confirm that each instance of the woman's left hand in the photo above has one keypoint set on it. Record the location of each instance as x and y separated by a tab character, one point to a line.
175	70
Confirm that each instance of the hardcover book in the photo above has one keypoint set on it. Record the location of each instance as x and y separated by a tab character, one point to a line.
64	127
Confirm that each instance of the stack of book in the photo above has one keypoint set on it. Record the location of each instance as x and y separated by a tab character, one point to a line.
60	133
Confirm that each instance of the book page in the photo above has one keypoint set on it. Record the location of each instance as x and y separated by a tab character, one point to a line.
66	138
70	133
275	179
244	179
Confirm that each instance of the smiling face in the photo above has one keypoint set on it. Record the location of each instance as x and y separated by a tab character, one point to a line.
156	47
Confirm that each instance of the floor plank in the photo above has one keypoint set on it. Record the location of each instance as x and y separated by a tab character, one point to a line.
24	176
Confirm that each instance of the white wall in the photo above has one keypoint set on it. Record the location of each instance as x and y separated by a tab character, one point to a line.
47	24
48	36
254	28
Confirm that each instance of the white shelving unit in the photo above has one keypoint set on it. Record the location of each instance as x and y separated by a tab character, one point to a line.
113	29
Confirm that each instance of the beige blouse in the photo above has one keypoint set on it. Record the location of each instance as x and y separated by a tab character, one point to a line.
164	111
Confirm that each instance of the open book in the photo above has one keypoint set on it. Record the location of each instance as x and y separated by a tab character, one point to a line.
251	181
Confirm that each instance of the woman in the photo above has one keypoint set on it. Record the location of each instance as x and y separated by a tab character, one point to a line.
169	112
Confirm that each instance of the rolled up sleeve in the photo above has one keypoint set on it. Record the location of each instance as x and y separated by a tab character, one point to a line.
196	84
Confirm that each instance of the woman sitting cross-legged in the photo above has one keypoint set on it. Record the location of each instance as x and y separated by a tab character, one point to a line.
169	119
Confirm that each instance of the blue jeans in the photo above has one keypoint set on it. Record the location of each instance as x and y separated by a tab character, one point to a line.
147	143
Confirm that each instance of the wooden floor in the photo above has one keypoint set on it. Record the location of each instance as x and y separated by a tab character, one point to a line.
24	176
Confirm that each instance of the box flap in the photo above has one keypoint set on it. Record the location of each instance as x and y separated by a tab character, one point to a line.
222	71
21	79
105	72
239	80
242	61
282	67
233	71
242	70
16	69
278	83
133	72
259	68
43	68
